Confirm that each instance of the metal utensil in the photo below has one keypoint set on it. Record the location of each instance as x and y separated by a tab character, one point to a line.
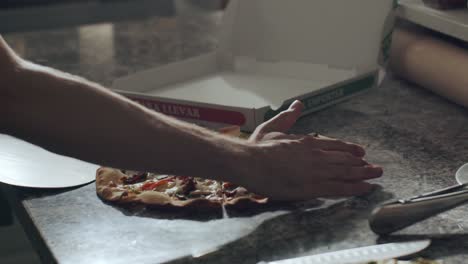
399	214
362	254
27	165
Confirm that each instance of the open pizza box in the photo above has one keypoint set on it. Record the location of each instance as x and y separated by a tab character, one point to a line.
271	52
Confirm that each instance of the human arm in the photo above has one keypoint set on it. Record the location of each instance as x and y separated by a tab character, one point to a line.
78	118
72	116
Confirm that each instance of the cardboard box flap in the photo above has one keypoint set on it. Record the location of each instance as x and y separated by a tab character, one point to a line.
252	84
169	74
237	90
294	70
336	33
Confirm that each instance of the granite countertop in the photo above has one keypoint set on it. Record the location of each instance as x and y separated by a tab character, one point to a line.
420	140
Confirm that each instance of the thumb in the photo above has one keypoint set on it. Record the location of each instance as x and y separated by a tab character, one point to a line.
6	53
283	121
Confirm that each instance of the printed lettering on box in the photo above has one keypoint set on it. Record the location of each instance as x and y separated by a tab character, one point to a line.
194	112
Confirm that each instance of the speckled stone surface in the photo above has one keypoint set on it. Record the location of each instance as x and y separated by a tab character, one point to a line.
420	140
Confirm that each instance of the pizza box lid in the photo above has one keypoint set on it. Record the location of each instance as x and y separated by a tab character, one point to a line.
271	51
27	165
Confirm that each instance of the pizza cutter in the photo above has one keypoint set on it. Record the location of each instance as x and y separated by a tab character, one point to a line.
393	216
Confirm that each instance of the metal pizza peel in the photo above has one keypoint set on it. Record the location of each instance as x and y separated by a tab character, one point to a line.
27	165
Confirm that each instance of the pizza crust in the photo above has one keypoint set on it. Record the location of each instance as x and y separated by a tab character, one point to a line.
106	181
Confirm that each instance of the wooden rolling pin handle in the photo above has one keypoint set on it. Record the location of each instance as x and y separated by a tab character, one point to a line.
431	63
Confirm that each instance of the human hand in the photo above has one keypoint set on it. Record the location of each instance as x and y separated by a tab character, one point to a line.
300	167
9	61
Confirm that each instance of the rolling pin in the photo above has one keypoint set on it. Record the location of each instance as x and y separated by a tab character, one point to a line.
431	62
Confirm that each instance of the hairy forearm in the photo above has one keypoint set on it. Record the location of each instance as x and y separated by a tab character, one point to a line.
75	117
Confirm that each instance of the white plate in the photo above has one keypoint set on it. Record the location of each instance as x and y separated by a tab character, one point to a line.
25	164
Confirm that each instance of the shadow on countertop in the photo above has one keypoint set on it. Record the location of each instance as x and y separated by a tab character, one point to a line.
208	214
308	228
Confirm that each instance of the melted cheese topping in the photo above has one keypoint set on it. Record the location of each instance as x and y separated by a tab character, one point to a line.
208	185
209	189
173	188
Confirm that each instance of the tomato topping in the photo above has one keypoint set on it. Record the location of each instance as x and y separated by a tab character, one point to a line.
149	186
228	185
258	197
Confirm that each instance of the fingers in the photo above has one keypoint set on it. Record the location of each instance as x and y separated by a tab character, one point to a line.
323	143
353	174
7	55
346	189
336	145
280	135
283	121
339	158
320	143
4	48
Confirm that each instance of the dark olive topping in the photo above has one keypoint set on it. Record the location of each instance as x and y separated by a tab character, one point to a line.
136	178
187	187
